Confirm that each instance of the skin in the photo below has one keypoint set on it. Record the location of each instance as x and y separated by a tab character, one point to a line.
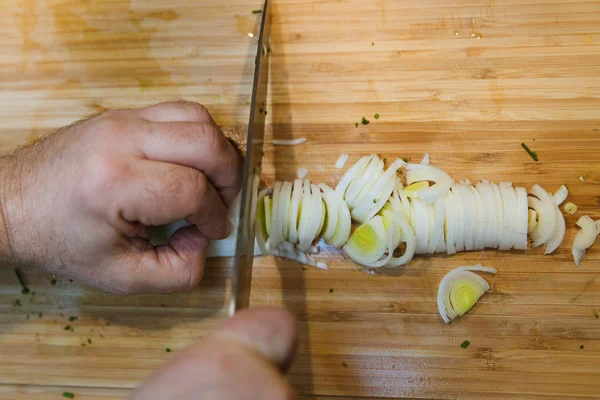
80	203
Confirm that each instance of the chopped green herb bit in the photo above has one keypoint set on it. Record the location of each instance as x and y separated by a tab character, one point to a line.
596	314
465	344
40	315
406	160
344	364
72	318
372	43
356	124
261	110
71	280
68	395
266	113
330	290
83	345
365	121
24	287
384	160
374	200
256	11
53	281
17	303
168	350
67	327
376	116
581	347
27	317
89	341
533	154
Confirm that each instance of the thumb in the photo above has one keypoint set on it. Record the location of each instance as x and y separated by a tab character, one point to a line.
272	332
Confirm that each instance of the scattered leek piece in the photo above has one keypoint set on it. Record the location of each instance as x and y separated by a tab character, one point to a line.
356	124
17	303
339	164
72	318
580	178
460	289
24	288
365	121
533	154
584	239
256	11
581	347
571	208
412	190
561	195
465	344
68	395
168	350
376	116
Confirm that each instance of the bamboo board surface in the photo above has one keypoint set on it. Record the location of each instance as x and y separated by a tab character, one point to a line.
467	81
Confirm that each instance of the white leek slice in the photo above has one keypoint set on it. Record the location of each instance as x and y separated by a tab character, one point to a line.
437	233
332	202
287	250
584	239
378	194
405	204
288	142
315	219
426	159
570	208
418	172
339	164
342	231
478	225
421	225
451	221
559	232
363	182
302	172
412	190
285	197
499	214
352	172
468	205
521	220
409	237
546	216
509	204
459	231
561	195
460	289
294	210
531	220
368	243
305	209
276	234
488	202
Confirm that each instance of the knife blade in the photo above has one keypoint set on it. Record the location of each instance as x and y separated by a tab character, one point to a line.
244	255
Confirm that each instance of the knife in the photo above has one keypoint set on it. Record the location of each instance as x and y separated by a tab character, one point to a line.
244	255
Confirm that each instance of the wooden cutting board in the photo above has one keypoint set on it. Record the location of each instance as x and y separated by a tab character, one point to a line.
468	81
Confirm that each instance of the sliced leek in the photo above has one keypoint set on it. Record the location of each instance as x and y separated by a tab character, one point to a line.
460	289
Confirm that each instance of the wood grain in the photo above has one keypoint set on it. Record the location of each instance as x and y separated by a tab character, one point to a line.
467	81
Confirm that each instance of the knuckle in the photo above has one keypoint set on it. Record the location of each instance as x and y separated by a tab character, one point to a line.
195	110
98	177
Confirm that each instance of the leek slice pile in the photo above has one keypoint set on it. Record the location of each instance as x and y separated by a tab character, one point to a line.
460	289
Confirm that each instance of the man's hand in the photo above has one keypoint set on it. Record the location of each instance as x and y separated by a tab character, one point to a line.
242	360
80	201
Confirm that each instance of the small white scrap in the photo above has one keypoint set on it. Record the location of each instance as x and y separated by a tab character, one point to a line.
585	238
571	208
339	164
288	142
580	178
426	159
302	172
561	195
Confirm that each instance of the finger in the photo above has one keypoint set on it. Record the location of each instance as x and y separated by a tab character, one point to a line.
272	332
177	266
177	111
200	146
161	193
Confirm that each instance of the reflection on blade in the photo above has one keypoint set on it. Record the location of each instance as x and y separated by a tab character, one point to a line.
242	272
